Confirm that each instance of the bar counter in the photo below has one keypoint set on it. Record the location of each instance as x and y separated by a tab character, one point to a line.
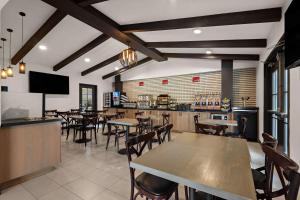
28	146
183	121
27	121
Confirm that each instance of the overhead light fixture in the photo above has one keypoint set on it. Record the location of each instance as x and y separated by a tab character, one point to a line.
209	52
22	65
128	57
197	31
116	68
9	70
3	70
87	60
43	47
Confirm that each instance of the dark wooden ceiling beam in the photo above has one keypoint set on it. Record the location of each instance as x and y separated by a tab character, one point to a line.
99	21
101	65
99	40
253	57
245	17
55	18
88	2
115	73
251	43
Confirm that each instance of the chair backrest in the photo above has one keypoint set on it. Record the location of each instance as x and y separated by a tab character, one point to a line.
166	118
136	145
139	113
144	125
196	119
202	128
120	114
269	140
90	119
243	126
287	171
164	132
210	129
75	110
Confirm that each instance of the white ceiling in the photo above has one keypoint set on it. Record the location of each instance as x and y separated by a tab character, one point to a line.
137	11
70	34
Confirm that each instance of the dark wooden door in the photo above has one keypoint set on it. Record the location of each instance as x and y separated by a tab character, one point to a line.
87	97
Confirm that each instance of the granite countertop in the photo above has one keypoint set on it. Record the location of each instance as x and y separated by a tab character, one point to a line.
191	110
26	121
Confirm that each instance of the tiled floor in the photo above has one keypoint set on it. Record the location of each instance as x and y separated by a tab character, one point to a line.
90	173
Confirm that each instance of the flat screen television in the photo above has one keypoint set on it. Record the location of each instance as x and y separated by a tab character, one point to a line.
48	83
292	35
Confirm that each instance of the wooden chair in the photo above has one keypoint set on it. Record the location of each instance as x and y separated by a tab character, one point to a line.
75	111
287	171
51	113
166	120
242	129
196	119
118	131
163	133
64	120
210	129
144	126
139	113
88	123
259	174
148	185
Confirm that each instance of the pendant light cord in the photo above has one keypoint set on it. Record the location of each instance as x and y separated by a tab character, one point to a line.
22	33
3	55
9	48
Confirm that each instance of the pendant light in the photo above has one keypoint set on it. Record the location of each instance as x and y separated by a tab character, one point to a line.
3	70
22	65
10	72
128	57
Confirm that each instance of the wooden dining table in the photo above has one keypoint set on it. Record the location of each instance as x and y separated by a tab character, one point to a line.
127	123
216	165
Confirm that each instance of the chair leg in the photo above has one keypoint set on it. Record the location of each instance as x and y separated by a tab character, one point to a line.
132	191
84	137
96	136
108	136
176	194
118	147
186	192
103	127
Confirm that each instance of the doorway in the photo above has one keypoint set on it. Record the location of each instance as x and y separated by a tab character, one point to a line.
87	97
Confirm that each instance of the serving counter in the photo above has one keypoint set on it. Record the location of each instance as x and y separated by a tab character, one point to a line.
28	146
183	121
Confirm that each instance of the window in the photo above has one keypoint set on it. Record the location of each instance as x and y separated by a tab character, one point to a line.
280	125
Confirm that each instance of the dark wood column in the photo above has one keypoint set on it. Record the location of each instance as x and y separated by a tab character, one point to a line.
227	78
118	83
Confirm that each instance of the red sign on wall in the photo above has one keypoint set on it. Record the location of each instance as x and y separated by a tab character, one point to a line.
141	83
165	82
196	79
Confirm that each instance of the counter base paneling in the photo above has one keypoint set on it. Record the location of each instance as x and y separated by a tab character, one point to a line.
27	149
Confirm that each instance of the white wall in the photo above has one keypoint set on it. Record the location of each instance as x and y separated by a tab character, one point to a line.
175	66
274	37
20	84
295	113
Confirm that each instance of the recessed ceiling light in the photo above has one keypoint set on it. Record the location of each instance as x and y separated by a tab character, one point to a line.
116	68
43	47
209	52
87	60
197	31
